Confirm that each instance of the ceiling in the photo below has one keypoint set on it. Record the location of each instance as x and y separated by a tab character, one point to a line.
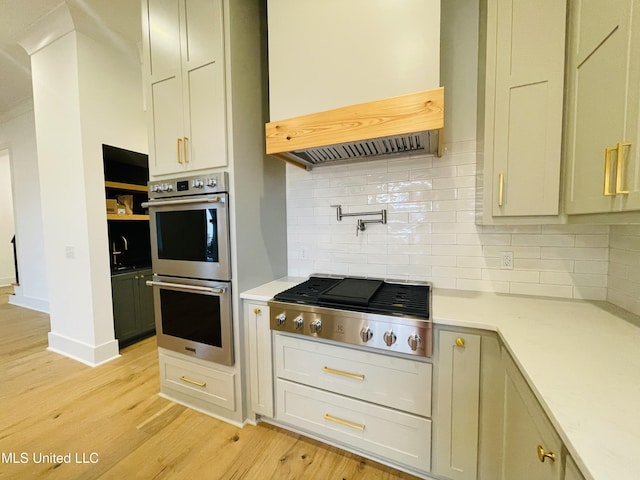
116	20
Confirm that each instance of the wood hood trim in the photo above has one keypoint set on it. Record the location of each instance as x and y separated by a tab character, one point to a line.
405	114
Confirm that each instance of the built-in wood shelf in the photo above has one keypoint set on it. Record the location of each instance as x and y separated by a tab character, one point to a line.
126	186
115	216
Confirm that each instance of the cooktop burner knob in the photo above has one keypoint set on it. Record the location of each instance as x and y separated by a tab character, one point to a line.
316	326
389	338
298	322
414	341
366	334
281	319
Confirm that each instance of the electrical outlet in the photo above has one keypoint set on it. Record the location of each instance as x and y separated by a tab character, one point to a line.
506	260
303	253
70	251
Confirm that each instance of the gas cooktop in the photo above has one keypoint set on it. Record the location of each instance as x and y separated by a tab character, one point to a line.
370	295
392	315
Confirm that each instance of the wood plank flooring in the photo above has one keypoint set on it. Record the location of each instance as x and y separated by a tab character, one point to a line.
108	422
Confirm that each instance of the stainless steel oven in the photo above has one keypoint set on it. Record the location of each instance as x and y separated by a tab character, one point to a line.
194	317
190	256
189	223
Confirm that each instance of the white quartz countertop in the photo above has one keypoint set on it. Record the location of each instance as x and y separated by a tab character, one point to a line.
581	359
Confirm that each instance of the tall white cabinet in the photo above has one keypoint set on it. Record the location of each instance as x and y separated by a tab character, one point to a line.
185	84
603	106
206	93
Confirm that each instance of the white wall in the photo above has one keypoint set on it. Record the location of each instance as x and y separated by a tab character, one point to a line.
7	228
624	267
17	133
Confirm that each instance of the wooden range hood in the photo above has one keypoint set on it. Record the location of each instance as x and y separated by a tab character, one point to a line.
409	123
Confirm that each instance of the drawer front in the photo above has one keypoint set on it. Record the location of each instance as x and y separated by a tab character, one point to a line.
382	432
204	383
382	379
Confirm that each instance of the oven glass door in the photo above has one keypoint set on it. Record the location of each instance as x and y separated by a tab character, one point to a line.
194	317
190	237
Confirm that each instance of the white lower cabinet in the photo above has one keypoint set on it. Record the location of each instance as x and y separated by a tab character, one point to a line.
256	317
197	384
377	405
532	450
457	396
571	471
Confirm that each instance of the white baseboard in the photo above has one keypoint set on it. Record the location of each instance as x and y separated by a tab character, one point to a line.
92	355
29	302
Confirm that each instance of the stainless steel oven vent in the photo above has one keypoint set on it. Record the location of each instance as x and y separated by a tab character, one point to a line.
421	142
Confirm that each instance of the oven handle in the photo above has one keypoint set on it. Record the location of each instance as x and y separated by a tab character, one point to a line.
182	286
162	203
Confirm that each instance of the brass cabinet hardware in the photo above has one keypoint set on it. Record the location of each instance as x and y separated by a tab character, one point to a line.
607	171
344	374
179	151
620	167
346	423
193	382
500	189
256	311
460	342
184	144
542	455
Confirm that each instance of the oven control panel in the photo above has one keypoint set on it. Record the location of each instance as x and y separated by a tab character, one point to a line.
192	185
393	334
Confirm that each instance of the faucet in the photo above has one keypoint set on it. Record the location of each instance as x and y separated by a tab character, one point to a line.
115	252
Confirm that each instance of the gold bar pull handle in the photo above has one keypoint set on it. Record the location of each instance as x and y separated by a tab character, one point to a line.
357	376
184	144
500	189
620	168
607	171
179	151
346	423
193	382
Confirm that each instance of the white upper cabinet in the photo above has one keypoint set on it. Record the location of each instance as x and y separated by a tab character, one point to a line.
522	56
184	84
341	53
602	155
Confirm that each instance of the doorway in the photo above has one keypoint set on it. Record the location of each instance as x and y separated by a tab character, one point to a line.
7	225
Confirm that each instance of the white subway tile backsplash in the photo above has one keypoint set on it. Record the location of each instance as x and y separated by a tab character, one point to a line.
586	266
541	289
624	267
431	232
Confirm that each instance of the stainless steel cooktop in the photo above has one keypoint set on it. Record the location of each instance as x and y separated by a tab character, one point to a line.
389	315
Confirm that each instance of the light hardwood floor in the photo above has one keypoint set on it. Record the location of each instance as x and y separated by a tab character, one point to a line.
52	405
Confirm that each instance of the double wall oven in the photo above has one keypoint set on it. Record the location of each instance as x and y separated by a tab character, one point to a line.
190	255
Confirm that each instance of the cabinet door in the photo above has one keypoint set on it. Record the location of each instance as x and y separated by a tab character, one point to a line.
203	84
260	360
571	471
529	89
598	73
457	396
125	305
526	430
163	84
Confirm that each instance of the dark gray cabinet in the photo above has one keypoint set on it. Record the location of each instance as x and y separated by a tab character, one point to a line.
133	315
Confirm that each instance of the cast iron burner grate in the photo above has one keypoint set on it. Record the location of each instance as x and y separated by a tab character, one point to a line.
307	292
361	295
399	298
